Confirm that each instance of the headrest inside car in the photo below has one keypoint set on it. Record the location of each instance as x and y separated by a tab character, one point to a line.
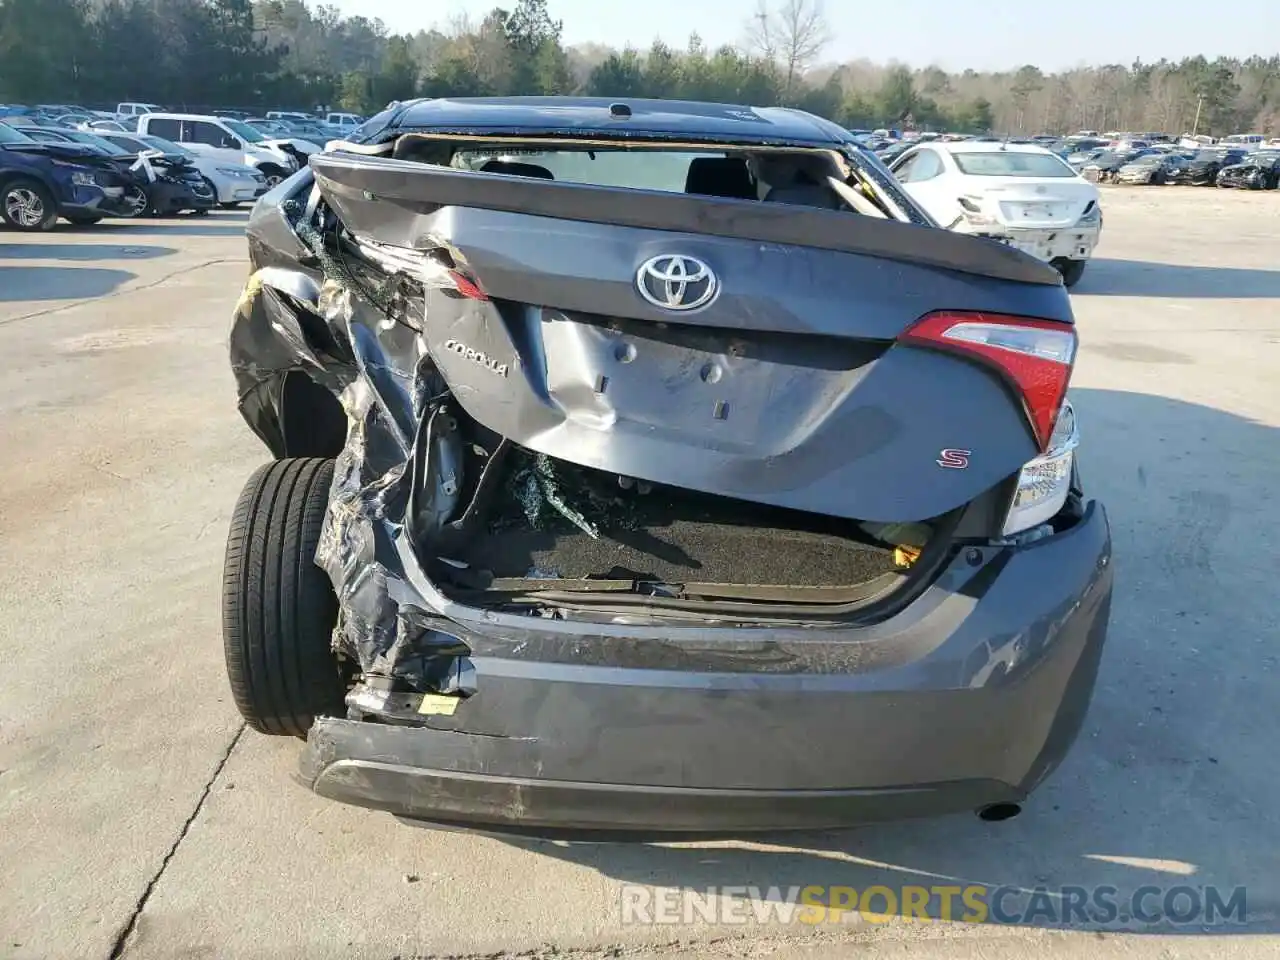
720	177
513	169
804	195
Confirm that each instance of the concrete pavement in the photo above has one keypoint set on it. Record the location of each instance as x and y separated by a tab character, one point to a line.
138	819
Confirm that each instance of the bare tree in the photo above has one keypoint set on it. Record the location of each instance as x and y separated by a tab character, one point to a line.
761	33
460	25
792	36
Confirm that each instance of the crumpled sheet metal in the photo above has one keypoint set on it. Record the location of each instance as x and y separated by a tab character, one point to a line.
387	386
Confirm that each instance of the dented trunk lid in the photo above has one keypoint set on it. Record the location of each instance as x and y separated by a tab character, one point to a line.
787	387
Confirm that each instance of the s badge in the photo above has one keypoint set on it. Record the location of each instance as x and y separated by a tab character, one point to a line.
954	459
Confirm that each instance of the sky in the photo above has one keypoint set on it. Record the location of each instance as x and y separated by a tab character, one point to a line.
981	34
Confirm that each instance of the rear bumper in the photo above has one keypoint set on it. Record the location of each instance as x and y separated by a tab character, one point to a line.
971	695
1068	243
426	783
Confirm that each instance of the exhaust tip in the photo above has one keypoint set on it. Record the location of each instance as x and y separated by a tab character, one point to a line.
995	812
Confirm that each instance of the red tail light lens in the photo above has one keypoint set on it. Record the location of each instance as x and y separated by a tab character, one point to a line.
1034	357
467	287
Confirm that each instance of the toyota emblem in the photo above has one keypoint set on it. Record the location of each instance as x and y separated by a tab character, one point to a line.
675	282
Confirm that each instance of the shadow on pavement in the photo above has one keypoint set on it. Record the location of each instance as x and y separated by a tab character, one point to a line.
1172	785
82	251
1139	278
59	283
184	227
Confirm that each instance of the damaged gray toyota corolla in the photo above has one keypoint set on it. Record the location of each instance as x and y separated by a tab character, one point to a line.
653	467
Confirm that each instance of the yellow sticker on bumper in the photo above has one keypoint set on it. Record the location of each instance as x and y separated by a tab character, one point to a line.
435	705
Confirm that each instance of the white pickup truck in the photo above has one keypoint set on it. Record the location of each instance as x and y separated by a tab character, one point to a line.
128	113
343	123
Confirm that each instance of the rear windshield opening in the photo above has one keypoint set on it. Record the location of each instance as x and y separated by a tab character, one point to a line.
1011	164
739	175
772	176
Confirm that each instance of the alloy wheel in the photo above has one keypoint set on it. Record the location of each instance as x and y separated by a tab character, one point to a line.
24	207
136	202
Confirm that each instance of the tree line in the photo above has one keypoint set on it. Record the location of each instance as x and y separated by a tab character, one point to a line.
288	54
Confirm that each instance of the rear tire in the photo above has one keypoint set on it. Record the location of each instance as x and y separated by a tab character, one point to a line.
278	607
1072	271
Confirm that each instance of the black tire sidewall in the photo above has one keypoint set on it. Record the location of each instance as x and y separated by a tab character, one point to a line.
278	607
1072	271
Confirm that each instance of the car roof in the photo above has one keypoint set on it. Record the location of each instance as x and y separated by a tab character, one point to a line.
211	118
981	146
48	127
650	118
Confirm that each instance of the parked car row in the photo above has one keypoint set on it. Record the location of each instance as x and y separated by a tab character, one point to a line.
1240	160
1254	170
167	162
1248	161
332	123
49	171
42	181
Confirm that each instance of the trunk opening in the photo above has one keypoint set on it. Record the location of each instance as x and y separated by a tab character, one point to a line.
554	530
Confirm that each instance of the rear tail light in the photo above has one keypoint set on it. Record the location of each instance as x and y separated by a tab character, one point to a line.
466	286
971	210
1033	357
1045	482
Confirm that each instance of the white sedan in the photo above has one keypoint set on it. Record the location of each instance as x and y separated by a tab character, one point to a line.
1020	194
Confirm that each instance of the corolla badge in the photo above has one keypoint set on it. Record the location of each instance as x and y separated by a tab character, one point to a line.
676	282
475	356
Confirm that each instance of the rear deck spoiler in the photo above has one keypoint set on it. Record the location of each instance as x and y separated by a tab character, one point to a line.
357	185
